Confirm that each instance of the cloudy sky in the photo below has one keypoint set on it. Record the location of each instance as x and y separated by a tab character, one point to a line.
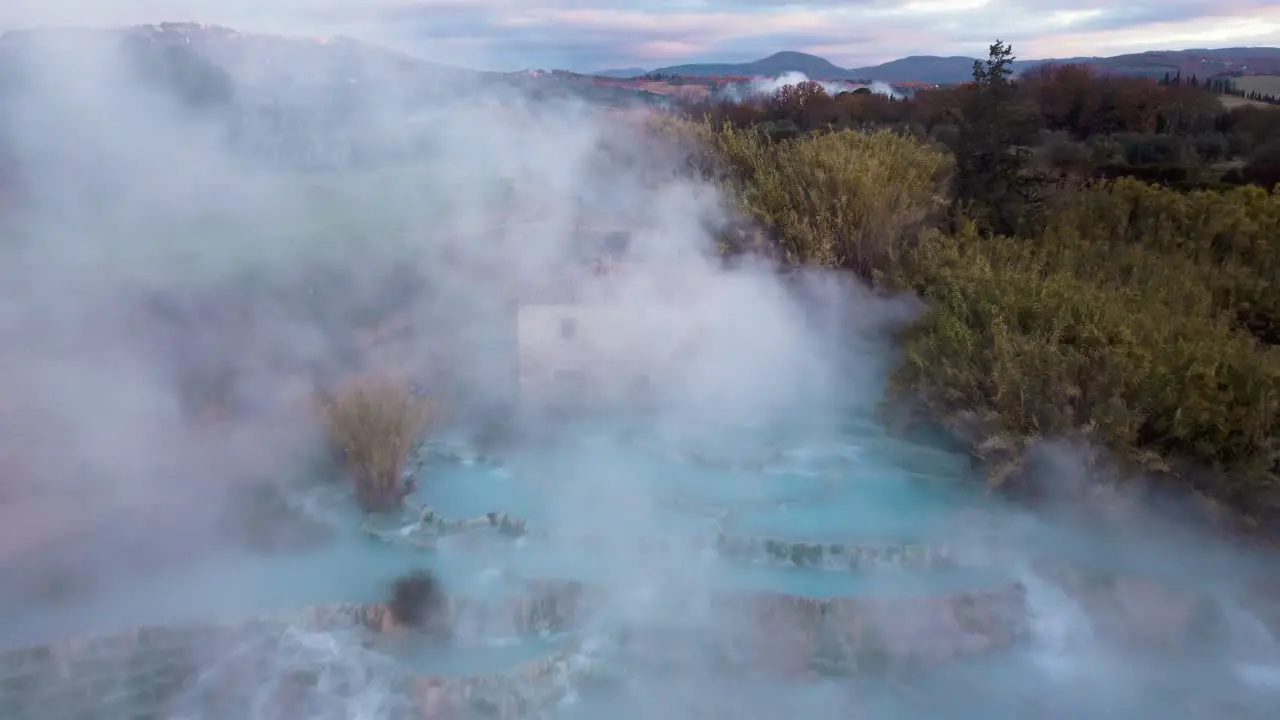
597	34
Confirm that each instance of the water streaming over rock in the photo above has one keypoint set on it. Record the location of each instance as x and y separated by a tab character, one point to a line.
298	674
851	574
1253	646
1062	642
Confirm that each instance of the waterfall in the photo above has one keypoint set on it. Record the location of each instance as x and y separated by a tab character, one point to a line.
297	674
1062	637
1255	650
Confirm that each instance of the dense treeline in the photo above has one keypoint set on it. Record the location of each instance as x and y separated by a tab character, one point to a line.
1133	316
1223	86
1076	124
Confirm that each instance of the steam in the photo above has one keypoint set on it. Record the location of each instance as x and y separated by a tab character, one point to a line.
182	271
202	245
763	86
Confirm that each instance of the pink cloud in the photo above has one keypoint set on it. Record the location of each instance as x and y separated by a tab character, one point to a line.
849	33
722	25
667	50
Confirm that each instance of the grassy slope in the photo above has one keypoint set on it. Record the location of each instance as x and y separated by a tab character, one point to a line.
1265	84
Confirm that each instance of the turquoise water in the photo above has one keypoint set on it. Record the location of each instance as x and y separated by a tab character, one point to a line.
596	508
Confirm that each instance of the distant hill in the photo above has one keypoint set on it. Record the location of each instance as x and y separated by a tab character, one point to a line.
619	72
776	64
954	69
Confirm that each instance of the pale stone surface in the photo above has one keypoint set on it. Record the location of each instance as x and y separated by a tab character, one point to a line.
773	634
425	531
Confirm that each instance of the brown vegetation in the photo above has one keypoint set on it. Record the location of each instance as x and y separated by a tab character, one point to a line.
1176	132
374	422
417	600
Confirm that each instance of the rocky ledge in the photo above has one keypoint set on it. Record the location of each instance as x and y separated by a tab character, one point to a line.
144	672
771	633
147	671
425	531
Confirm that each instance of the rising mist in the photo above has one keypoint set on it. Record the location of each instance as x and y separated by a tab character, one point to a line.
183	271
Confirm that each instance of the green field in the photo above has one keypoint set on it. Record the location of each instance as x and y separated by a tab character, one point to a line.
1264	84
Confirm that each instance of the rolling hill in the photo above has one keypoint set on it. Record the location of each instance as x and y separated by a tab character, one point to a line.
772	66
945	70
620	72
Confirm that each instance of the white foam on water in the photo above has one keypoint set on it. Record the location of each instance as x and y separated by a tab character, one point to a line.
302	674
1255	648
328	501
1062	639
1065	665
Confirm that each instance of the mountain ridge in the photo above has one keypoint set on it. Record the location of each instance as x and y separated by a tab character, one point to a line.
936	69
252	56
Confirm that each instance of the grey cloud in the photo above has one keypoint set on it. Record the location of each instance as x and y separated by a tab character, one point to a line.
479	32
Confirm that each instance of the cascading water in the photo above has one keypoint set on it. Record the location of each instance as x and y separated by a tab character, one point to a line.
1062	643
297	673
1255	650
646	524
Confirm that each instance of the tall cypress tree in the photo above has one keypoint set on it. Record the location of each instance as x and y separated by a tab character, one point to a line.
991	182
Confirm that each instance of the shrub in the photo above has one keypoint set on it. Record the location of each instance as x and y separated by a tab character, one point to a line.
1143	149
1059	152
1138	317
1162	174
1211	147
1119	325
374	422
846	199
1106	150
417	600
1263	173
1218	247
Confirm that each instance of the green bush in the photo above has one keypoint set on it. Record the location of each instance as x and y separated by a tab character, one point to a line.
1118	326
845	199
1211	147
1140	317
1217	248
1059	152
1146	149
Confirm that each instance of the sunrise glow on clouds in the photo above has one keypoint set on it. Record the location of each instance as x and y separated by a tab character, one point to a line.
594	34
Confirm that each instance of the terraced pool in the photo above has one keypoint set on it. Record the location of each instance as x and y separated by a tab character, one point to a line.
851	575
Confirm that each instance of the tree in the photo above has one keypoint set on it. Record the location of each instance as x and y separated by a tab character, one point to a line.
995	74
992	184
791	102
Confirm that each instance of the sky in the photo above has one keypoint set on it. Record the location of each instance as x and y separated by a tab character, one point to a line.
598	34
